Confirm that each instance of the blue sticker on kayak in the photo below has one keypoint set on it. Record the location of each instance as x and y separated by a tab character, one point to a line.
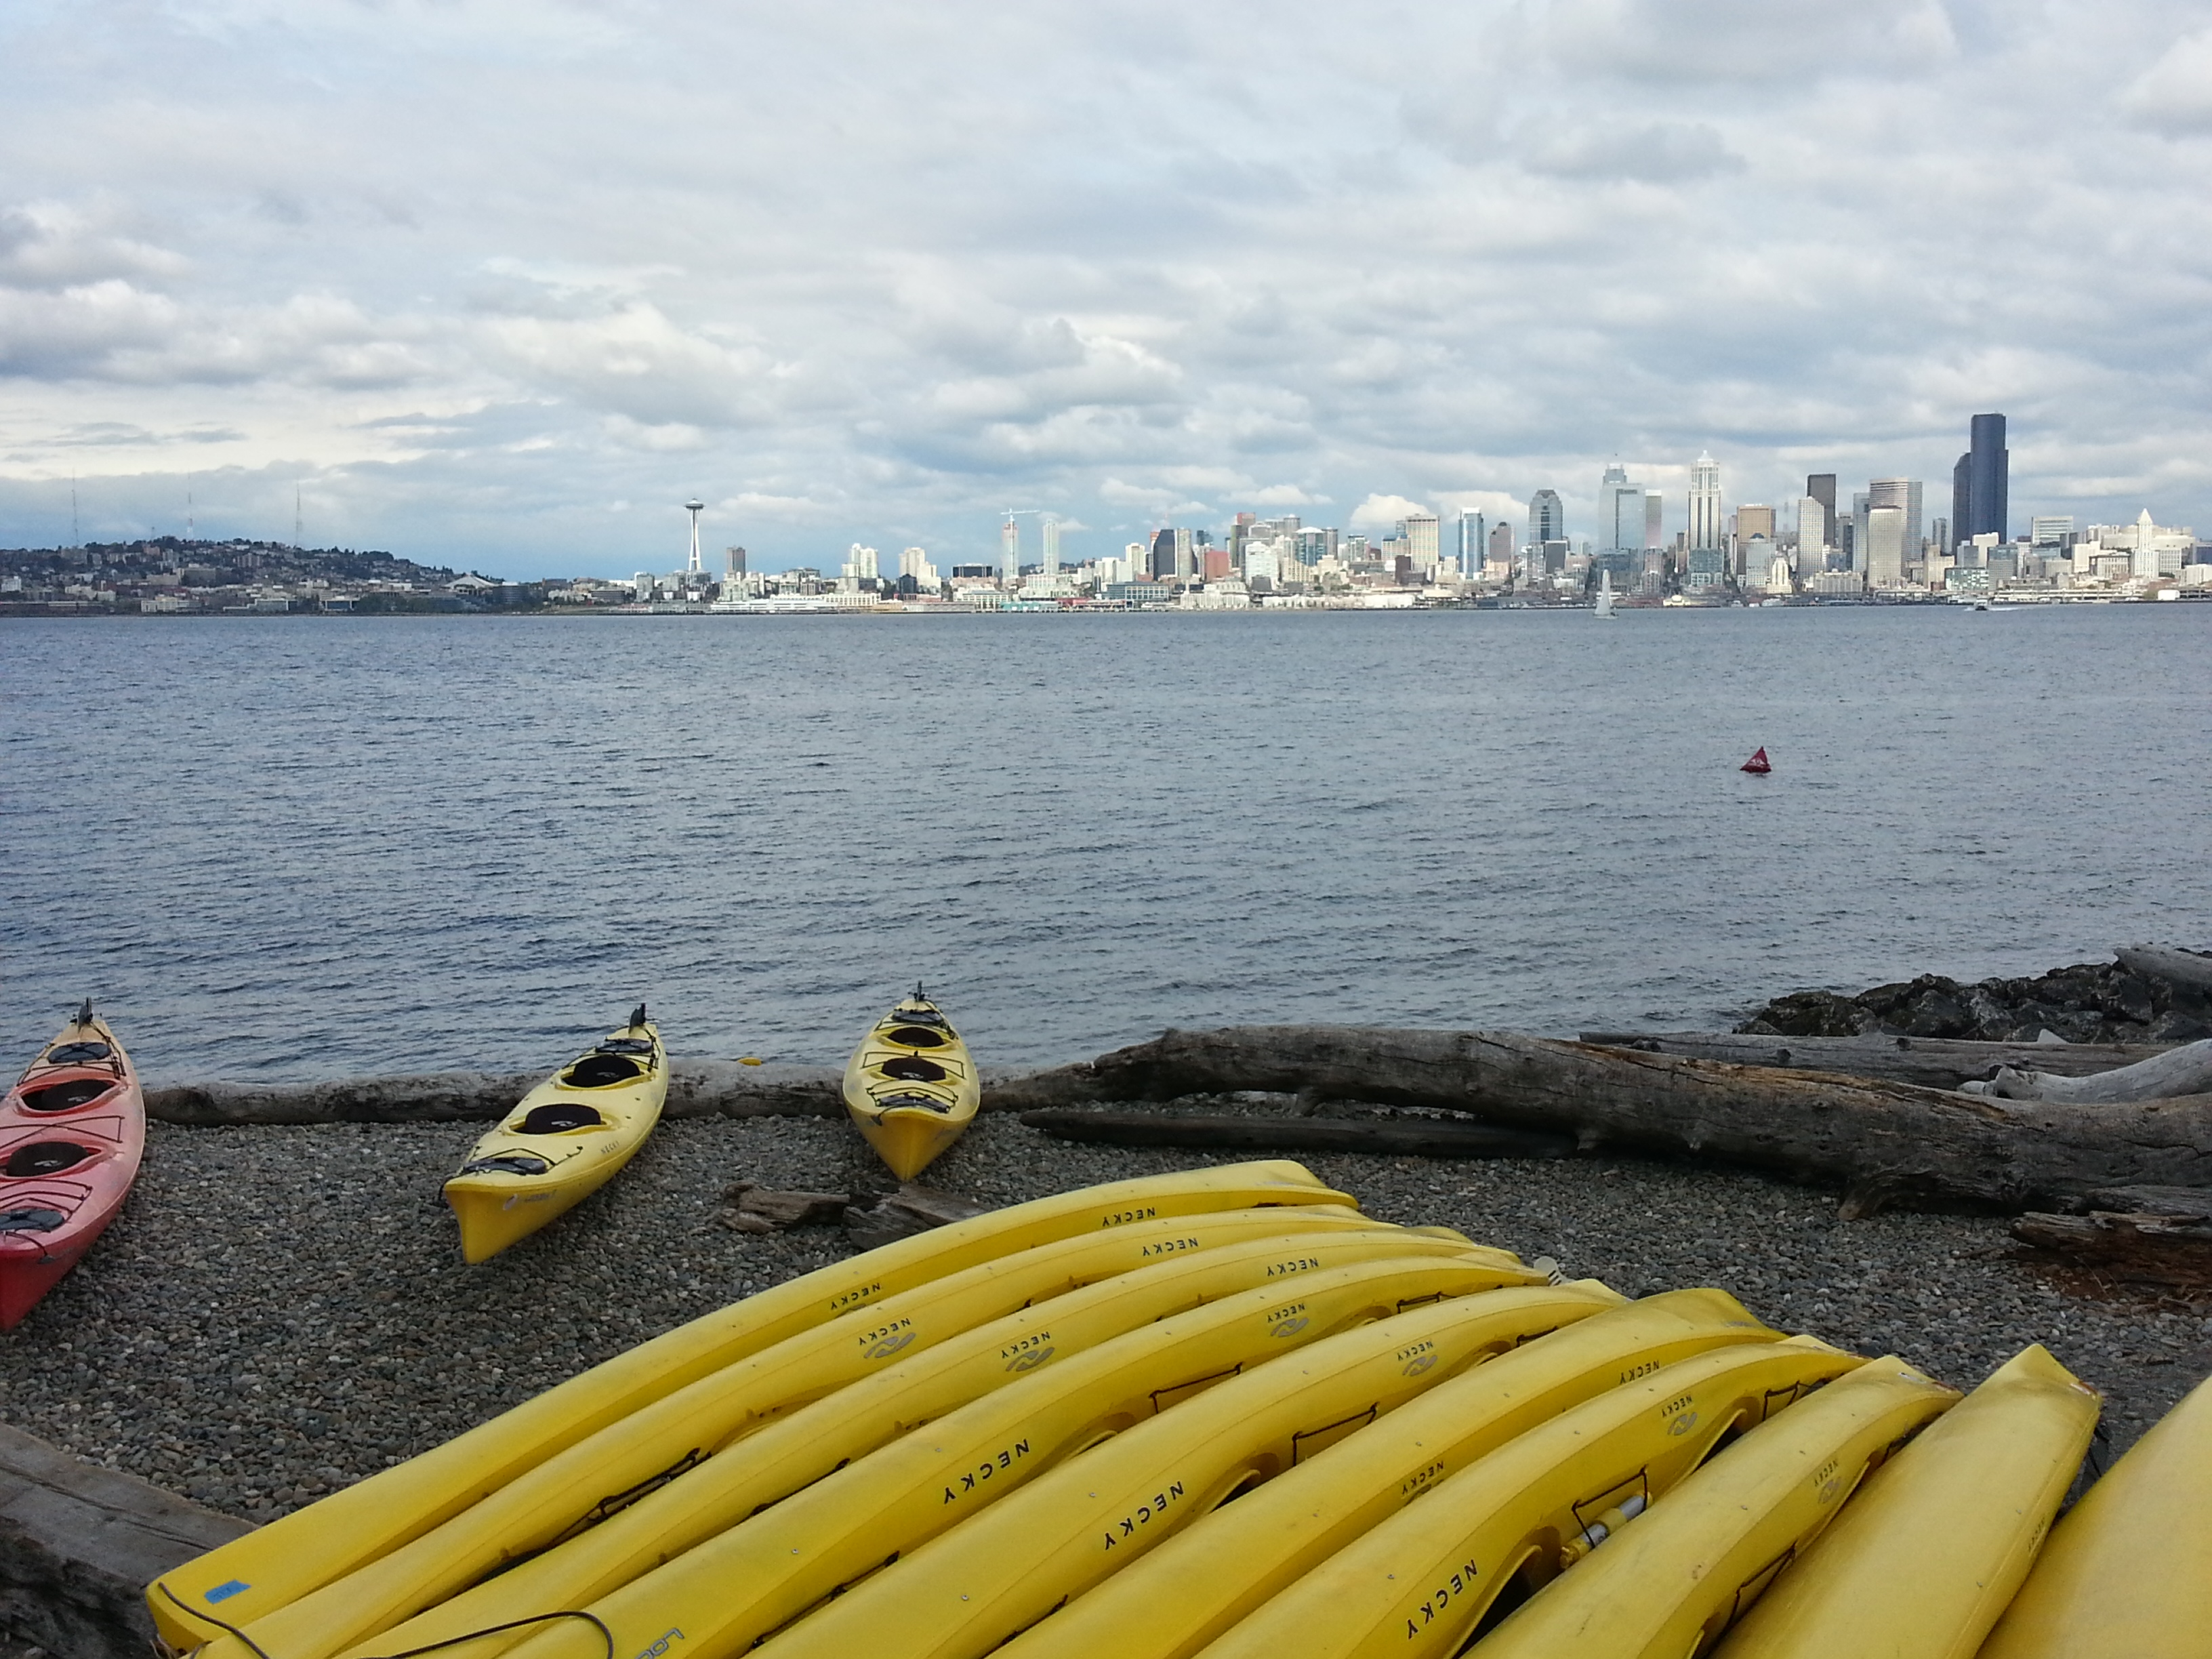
224	1592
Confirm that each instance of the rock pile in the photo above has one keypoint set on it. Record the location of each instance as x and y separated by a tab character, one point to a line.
2089	1002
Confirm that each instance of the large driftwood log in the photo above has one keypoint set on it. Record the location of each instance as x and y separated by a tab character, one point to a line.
1929	1062
1383	1137
2184	1071
1885	1142
2176	966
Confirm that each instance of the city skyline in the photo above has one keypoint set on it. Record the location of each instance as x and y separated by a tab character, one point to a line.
494	289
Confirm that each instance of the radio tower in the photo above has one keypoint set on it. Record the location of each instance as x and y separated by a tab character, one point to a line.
695	507
298	522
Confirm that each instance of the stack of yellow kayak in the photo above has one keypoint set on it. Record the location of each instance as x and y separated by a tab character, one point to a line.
567	1138
1192	1414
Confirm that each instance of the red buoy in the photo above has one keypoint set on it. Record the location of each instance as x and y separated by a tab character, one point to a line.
1757	762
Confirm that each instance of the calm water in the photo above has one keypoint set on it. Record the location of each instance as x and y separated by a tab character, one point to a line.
292	848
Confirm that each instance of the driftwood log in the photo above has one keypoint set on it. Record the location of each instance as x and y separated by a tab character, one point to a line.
1884	1142
1382	1137
2184	1071
2190	970
1929	1062
2159	1235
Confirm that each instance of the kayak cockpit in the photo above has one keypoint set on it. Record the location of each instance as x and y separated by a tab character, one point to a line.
558	1117
43	1158
601	1071
68	1094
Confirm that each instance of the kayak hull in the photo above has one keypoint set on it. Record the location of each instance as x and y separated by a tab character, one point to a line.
72	1135
564	1140
911	1087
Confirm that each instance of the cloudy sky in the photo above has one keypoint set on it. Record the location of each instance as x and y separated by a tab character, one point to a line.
501	283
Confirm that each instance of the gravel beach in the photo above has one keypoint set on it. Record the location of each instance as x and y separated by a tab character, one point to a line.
281	1312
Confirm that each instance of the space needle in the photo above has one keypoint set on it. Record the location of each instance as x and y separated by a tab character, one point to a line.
695	507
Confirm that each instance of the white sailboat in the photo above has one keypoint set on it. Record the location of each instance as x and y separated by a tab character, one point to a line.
1605	592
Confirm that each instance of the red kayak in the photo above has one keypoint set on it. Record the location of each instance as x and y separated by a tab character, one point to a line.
72	1130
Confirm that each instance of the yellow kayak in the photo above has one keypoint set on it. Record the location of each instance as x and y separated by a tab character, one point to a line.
911	1086
569	1137
2128	1573
273	1566
1929	1552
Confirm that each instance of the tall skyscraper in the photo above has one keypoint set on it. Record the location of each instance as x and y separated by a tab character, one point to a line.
1501	546
1010	550
1622	520
1473	548
1164	555
1904	494
1052	547
1882	561
1822	487
1812	536
1654	521
1981	483
1547	518
1706	502
1754	519
1417	534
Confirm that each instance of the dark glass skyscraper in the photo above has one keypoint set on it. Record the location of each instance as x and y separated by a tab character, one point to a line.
1547	518
1981	483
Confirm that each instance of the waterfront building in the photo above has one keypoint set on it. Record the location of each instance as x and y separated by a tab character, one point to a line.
1474	544
1623	523
1547	518
1883	565
1812	534
1417	541
1500	549
1704	527
1903	493
1754	521
1708	569
1759	564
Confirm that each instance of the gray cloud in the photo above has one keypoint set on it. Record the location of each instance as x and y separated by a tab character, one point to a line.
505	282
